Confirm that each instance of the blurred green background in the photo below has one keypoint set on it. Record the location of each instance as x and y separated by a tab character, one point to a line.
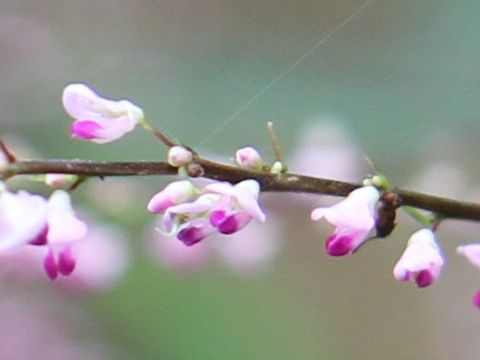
402	76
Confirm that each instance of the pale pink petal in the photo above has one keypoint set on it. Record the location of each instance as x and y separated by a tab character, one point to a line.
247	193
63	225
355	211
174	193
222	188
472	253
23	217
100	259
251	250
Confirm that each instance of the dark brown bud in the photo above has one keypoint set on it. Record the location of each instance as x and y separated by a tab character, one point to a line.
386	212
195	170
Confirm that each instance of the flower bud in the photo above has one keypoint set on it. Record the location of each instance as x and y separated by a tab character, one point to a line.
174	193
60	180
248	158
179	156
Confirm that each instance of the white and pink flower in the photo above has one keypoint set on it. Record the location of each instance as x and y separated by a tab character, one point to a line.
421	261
64	229
27	219
98	119
221	207
354	218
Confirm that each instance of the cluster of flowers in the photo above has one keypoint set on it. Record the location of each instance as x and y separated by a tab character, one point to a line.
192	213
355	217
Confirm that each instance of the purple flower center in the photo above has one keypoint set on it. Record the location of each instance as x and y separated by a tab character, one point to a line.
41	238
66	263
50	265
338	245
229	225
424	278
85	129
216	217
190	236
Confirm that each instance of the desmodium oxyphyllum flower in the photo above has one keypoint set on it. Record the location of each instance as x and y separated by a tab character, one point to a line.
64	228
221	207
27	219
98	119
472	253
354	218
421	261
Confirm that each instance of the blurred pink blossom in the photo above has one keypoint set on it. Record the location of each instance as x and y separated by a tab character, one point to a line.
23	217
102	258
245	252
326	150
63	230
31	330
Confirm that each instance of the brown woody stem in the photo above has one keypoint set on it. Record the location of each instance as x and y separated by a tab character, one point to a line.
269	182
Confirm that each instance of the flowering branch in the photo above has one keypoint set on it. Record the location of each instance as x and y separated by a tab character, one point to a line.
224	206
448	208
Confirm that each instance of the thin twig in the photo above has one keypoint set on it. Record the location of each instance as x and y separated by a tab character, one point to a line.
269	182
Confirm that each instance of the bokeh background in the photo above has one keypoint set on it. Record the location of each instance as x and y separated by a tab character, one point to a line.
400	83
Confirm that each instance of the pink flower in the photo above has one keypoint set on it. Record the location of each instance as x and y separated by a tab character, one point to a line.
222	207
471	252
354	218
64	228
98	119
22	218
103	256
421	261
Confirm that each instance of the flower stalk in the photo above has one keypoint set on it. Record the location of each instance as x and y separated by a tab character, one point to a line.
449	208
